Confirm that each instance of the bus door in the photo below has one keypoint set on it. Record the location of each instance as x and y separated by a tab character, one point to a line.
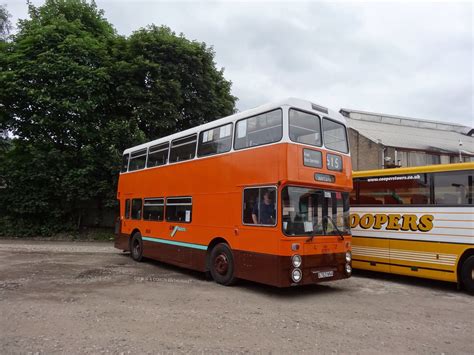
259	236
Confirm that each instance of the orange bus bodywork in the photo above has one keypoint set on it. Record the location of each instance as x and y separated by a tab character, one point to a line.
216	183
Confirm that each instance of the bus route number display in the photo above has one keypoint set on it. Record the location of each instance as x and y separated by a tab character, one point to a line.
312	158
334	162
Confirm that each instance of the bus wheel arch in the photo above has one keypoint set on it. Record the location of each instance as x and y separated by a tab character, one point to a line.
465	270
220	263
136	245
212	244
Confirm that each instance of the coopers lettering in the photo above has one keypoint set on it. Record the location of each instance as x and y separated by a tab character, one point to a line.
393	222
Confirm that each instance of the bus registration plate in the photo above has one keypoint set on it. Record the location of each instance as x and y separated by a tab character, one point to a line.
325	274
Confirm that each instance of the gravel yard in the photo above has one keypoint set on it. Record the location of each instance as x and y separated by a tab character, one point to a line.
72	297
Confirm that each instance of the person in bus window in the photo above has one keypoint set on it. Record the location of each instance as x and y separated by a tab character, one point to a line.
264	211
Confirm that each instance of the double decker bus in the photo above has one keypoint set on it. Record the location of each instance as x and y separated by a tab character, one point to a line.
415	221
261	195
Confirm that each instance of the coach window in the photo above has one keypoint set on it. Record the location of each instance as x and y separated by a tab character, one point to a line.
179	209
153	209
215	141
305	128
137	208
453	188
394	190
334	135
259	206
137	160
158	155
183	148
127	209
124	167
257	130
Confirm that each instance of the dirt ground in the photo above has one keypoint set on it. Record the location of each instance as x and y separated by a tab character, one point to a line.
63	297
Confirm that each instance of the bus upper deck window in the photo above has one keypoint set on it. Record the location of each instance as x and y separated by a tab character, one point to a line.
258	130
137	160
183	148
158	155
334	135
305	128
124	167
216	140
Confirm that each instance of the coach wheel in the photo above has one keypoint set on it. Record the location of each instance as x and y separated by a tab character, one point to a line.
222	265
467	274
136	247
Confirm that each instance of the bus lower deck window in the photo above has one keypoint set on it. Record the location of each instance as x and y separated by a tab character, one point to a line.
137	208
127	209
259	206
179	209
153	209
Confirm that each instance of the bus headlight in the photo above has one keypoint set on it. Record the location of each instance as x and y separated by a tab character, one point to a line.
348	256
348	269
296	275
296	260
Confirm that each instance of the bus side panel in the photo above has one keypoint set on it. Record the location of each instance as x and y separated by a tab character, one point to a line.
258	267
122	241
371	253
423	259
423	241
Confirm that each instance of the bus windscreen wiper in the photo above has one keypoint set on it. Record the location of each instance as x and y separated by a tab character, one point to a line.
313	233
341	236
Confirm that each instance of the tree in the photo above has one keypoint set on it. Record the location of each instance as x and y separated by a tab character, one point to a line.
170	83
75	94
5	24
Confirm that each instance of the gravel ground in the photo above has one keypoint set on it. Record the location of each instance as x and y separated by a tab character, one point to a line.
63	297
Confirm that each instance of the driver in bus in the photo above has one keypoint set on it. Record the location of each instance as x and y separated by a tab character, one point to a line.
266	209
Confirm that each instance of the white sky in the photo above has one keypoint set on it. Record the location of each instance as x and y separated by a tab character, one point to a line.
405	58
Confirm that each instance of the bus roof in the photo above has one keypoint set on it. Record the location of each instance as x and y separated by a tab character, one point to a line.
293	102
414	170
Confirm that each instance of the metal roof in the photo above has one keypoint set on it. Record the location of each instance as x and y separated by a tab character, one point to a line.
411	133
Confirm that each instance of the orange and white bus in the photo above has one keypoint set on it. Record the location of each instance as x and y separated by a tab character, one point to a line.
415	221
261	195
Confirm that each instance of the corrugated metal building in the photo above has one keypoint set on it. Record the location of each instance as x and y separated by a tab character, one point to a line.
380	140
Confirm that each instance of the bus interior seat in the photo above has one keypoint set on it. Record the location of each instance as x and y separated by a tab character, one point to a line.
419	200
369	200
390	200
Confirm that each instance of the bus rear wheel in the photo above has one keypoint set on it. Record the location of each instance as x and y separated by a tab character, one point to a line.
136	247
467	274
222	265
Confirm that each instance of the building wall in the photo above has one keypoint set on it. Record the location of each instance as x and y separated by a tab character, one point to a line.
366	155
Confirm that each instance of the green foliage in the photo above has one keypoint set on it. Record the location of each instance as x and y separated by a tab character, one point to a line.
75	94
174	80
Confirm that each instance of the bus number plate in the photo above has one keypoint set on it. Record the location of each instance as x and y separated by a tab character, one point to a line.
325	274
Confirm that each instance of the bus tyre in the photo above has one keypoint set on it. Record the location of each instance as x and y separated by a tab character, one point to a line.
136	247
467	274
222	265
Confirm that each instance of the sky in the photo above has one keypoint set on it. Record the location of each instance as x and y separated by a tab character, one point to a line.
403	58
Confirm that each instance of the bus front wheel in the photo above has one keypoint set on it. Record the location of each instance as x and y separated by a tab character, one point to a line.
222	265
136	247
467	274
